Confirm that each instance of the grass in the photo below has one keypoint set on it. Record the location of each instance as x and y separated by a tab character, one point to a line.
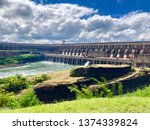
60	77
135	102
140	93
94	105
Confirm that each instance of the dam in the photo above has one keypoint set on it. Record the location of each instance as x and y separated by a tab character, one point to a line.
133	53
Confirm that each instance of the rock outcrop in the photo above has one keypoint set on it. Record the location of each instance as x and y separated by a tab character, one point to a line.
107	72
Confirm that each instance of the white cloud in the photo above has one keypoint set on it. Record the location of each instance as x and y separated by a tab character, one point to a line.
24	21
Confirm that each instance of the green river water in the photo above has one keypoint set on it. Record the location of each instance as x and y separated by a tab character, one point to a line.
34	68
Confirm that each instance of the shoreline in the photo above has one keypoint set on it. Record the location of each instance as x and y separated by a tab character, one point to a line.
10	65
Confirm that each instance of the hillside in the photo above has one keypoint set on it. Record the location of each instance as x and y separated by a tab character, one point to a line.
138	100
100	105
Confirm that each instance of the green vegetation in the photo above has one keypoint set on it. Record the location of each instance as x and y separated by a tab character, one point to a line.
120	88
19	82
11	101
138	101
145	92
122	104
101	90
25	100
17	92
18	59
41	78
17	95
14	83
141	73
4	98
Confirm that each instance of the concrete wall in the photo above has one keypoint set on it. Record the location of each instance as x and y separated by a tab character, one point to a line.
143	59
119	50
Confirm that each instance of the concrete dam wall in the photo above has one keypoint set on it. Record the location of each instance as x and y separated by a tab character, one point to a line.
137	53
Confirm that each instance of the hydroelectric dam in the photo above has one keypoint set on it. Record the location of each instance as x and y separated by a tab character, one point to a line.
132	53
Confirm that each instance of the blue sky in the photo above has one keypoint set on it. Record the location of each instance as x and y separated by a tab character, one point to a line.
115	8
51	21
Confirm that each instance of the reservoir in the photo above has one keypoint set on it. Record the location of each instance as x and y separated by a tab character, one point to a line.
42	67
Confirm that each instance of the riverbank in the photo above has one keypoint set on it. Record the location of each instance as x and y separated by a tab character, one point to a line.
133	102
10	65
19	59
53	88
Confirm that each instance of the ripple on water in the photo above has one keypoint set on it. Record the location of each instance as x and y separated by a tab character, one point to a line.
34	68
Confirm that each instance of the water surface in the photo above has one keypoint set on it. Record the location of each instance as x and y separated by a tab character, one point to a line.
34	68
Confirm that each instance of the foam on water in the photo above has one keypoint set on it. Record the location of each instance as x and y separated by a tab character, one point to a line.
34	68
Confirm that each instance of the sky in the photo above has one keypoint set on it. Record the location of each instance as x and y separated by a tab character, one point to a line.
52	21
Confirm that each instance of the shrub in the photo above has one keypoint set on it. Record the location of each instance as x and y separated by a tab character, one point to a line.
120	88
4	98
15	83
11	85
13	103
86	92
29	99
114	89
1	81
117	88
103	89
141	73
41	78
144	92
26	100
133	69
45	77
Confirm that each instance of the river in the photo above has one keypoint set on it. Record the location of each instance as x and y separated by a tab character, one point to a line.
34	68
